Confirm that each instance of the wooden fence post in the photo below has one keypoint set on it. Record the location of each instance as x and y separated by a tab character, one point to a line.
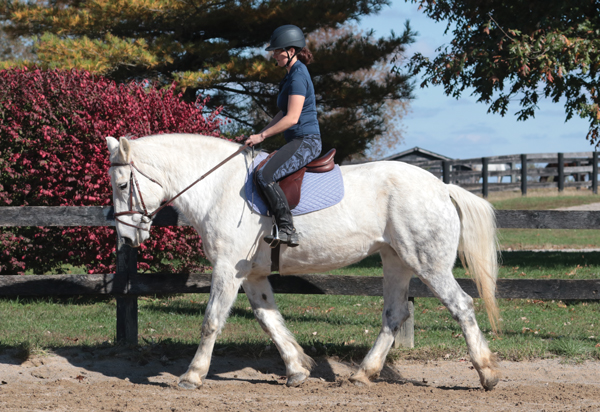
523	175
127	305
406	335
595	173
485	161
446	171
513	178
561	172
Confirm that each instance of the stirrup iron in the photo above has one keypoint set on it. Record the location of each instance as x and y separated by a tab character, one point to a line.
275	241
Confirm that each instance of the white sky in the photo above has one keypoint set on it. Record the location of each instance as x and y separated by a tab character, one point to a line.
463	128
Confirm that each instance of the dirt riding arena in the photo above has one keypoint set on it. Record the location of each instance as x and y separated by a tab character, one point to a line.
99	380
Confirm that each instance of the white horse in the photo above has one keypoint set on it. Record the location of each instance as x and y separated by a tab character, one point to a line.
415	222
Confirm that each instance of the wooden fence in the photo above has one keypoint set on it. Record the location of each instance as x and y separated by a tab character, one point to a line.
126	284
559	170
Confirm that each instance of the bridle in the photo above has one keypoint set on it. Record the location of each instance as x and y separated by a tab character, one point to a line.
133	181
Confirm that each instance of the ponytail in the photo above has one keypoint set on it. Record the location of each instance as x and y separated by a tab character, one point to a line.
304	55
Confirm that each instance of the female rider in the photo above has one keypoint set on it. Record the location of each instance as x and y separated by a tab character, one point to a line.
297	120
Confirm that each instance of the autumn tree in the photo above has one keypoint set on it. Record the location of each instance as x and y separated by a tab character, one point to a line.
216	49
519	51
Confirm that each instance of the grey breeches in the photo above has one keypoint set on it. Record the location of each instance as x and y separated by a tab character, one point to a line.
291	157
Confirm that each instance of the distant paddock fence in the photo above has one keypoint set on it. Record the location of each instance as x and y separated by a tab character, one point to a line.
126	284
518	172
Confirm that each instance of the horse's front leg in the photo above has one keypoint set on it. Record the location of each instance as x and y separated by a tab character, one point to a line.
297	363
224	288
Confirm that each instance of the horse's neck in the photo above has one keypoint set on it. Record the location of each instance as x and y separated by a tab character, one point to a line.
181	160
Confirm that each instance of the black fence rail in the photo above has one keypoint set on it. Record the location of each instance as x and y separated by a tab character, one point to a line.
126	284
514	172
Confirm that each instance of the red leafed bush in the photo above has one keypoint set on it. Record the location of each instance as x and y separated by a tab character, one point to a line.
53	152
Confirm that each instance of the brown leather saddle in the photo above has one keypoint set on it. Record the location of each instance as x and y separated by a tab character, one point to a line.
292	184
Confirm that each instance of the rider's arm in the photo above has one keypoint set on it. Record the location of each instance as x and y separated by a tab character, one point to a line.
277	118
295	104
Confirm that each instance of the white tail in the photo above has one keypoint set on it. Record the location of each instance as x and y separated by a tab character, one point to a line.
478	246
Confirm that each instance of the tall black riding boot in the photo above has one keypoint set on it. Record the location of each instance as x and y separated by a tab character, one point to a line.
283	217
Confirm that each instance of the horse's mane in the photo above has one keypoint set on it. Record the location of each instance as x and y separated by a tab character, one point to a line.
170	149
164	136
185	143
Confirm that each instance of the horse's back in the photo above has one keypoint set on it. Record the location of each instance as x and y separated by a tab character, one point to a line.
391	178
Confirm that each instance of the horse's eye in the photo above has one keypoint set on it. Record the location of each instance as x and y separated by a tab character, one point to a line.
122	186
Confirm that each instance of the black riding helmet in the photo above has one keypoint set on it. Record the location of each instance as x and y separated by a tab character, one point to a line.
285	37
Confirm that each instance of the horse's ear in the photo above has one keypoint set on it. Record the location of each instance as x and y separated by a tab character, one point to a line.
113	145
124	150
120	150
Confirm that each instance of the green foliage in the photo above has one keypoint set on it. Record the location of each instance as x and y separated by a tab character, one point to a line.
217	49
507	50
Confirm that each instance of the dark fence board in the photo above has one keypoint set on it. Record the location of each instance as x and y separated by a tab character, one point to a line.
56	216
548	219
48	285
11	216
100	216
310	284
150	284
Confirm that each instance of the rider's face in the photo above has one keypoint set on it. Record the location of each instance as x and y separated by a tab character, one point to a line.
281	56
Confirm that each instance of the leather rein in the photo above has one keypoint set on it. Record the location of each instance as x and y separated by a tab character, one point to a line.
133	181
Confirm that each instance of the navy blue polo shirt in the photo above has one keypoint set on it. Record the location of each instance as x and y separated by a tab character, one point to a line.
298	82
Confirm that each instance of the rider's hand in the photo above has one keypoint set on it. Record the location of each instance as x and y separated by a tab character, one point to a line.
255	139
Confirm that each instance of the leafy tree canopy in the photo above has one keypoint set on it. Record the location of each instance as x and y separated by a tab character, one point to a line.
519	50
216	48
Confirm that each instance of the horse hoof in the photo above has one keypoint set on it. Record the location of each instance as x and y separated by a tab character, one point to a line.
186	385
190	381
490	383
296	380
489	379
359	380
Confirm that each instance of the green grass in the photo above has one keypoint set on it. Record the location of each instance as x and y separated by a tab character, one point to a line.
344	326
532	239
543	203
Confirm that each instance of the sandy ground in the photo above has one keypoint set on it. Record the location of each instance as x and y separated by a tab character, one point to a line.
113	380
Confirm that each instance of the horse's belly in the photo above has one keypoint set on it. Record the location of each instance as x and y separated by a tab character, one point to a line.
329	250
294	264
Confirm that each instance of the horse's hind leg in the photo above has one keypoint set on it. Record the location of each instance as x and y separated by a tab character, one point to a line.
460	306
224	288
396	281
297	363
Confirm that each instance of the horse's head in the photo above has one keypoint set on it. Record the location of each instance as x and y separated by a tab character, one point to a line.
136	196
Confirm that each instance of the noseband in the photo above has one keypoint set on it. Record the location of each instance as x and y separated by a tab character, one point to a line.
147	217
